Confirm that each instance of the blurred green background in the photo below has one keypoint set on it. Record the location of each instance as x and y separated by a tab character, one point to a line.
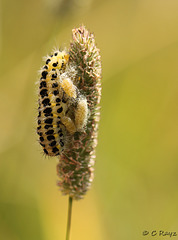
136	176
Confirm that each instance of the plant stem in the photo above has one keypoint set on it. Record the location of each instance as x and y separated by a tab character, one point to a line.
69	218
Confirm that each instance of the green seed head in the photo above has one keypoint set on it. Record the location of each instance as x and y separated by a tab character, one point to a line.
76	164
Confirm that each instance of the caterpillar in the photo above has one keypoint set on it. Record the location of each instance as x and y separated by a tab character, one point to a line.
62	109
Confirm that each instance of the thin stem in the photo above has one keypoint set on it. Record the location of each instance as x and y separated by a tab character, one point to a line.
69	218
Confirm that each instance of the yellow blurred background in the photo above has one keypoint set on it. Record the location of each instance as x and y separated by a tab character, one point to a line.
136	175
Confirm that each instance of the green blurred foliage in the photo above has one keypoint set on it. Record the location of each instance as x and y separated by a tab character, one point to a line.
135	186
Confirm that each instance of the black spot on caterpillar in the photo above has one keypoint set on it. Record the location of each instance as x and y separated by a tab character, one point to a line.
55	64
47	110
48	126
48	60
53	143
60	110
56	92
51	137
58	100
44	74
49	132
46	102
54	85
43	93
49	120
42	84
54	75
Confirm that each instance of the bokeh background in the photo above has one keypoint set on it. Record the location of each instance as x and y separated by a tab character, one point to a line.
136	176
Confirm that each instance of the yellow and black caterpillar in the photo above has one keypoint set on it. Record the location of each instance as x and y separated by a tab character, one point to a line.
62	109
